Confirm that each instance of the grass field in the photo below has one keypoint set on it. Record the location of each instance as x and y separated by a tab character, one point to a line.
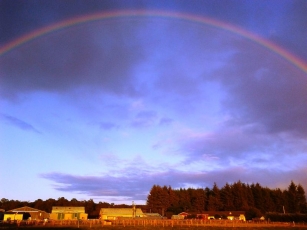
149	228
150	225
110	227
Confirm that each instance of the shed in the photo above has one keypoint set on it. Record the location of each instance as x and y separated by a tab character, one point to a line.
153	215
184	214
10	216
177	217
68	213
114	213
33	213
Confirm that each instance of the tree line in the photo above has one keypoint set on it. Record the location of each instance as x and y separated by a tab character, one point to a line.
91	208
254	199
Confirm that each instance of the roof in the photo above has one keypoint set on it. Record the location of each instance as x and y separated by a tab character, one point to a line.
120	211
65	209
25	209
183	214
11	213
152	214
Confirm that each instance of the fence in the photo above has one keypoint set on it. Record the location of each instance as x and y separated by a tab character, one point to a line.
158	223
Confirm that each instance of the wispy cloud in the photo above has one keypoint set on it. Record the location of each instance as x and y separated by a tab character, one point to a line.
144	118
165	121
19	123
107	125
137	187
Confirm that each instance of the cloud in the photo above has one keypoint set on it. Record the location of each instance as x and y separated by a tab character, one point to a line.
19	123
144	118
165	121
241	146
107	125
137	187
287	35
263	89
126	61
132	180
55	63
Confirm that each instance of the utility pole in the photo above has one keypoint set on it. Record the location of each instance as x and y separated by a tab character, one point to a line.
133	210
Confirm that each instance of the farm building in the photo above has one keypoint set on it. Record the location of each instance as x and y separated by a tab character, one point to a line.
68	213
230	215
153	215
10	216
114	213
180	216
183	214
30	213
177	217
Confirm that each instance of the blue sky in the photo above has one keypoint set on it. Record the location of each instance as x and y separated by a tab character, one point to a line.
105	109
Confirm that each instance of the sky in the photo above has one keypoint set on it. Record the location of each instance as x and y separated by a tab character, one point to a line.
104	99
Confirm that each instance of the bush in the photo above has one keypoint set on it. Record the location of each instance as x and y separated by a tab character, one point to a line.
253	213
288	217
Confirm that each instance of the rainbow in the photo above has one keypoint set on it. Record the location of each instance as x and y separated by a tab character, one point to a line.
139	13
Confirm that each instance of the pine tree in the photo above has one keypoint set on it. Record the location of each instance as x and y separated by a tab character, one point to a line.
227	198
278	200
292	198
153	201
268	204
184	200
214	200
158	199
301	199
258	198
198	200
173	201
249	196
239	196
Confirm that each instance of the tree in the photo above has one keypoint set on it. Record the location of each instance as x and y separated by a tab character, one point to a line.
252	213
292	198
173	201
278	200
239	196
39	204
94	209
62	201
158	199
165	200
198	199
258	198
90	208
214	199
48	204
74	202
249	196
227	198
184	200
268	204
301	199
153	199
4	203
